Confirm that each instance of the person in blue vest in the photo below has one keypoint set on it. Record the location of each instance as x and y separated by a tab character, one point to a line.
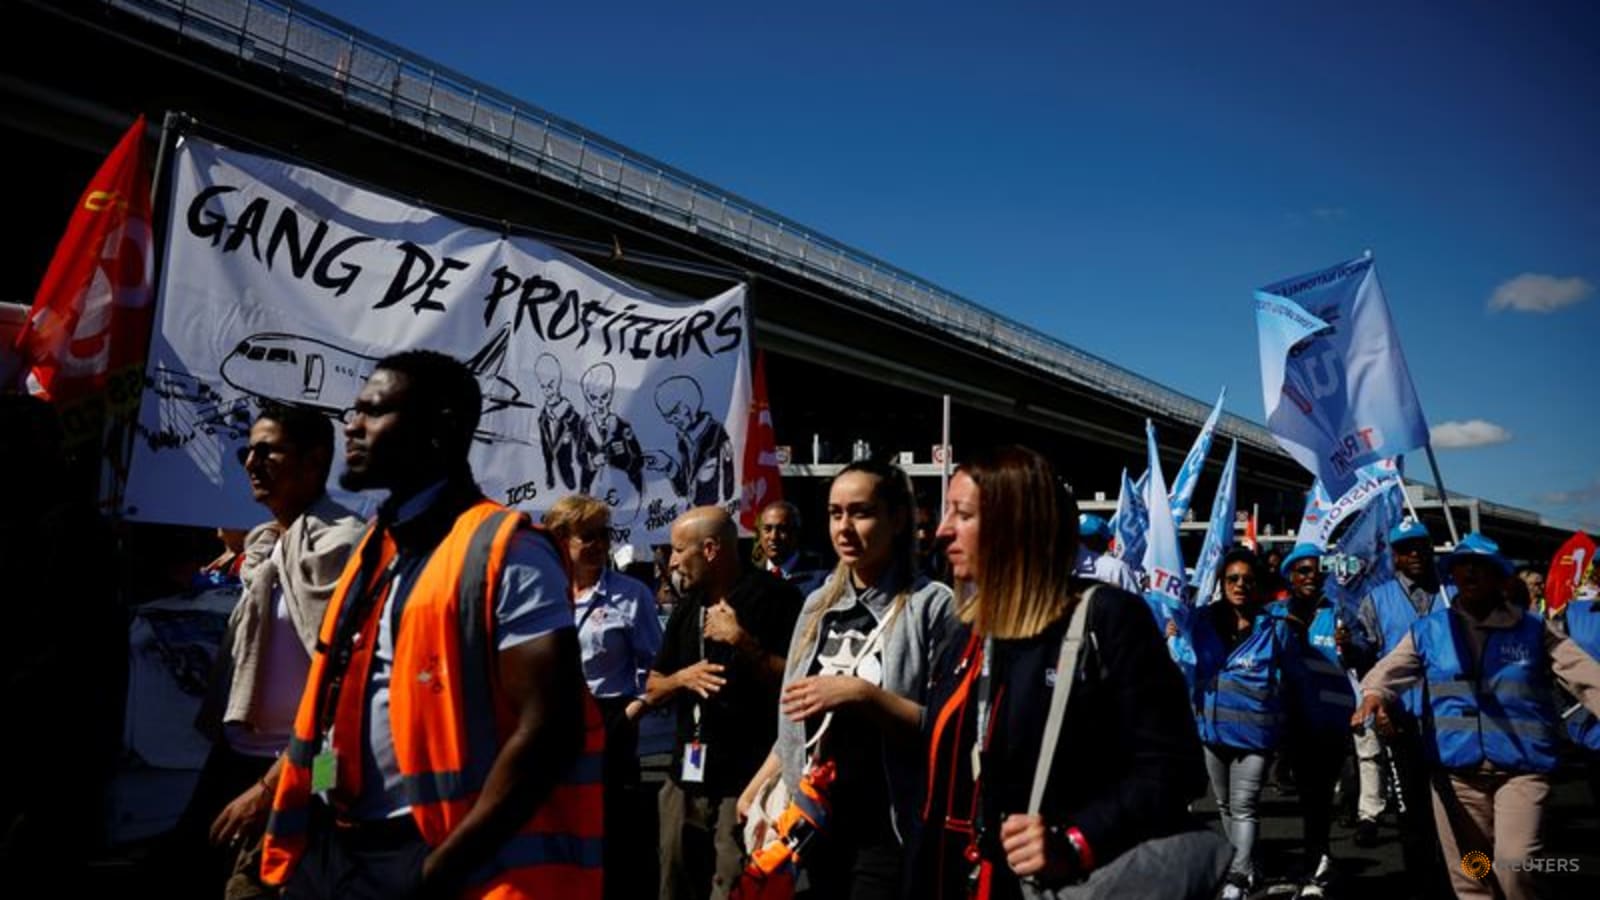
1582	626
1487	669
1318	737
1094	540
1238	688
1383	618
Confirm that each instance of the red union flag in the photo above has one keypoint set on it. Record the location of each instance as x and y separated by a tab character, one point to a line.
1566	570
90	319
763	484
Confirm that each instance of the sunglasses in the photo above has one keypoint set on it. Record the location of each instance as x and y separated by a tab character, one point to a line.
262	450
1240	579
1304	570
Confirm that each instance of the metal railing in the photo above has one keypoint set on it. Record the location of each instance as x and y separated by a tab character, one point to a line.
313	47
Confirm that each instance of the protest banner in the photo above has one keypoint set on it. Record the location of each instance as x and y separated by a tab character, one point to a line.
283	283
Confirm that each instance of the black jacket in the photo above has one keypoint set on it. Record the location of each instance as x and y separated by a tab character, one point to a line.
1127	764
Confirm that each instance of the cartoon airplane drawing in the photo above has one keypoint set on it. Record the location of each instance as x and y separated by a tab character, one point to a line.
202	408
292	368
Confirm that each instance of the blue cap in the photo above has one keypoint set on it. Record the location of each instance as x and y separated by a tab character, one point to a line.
1300	551
1409	529
1475	544
1091	525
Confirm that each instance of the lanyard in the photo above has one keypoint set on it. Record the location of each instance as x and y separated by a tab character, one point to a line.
980	743
980	739
346	632
597	598
700	634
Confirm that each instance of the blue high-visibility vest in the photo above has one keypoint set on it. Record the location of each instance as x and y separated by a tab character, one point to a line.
1240	702
1583	627
1323	696
1396	615
1504	713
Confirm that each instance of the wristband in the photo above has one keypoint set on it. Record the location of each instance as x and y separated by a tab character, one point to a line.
1081	845
1071	847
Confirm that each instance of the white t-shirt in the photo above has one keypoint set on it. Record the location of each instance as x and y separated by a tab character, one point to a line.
287	663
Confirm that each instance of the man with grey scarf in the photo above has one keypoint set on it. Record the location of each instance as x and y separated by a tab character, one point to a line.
292	564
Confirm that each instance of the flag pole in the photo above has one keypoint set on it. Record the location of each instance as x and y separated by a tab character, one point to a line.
944	456
1411	507
1444	496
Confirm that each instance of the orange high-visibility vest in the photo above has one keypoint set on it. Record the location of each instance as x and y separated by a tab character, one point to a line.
449	717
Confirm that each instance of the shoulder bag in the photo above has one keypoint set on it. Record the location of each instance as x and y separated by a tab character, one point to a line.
1189	865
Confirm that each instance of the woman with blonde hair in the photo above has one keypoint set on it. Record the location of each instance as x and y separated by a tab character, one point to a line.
853	686
1039	779
619	635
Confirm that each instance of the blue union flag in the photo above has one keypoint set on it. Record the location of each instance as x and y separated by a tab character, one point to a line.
1219	535
1189	476
1334	381
1130	522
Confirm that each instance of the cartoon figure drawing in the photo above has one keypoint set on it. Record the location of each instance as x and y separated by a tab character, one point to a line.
702	471
560	426
613	462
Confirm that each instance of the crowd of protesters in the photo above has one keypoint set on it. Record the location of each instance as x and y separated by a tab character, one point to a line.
974	702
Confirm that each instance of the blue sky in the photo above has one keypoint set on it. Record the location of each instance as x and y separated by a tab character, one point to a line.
1123	178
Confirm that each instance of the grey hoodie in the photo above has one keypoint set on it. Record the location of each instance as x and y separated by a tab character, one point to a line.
907	652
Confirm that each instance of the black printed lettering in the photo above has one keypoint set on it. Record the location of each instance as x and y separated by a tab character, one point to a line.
287	231
206	223
729	326
342	283
248	225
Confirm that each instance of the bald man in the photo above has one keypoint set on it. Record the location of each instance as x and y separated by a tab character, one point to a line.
720	665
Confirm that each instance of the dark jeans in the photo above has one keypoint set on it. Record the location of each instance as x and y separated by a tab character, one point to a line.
1316	760
847	871
1419	833
370	862
625	872
187	865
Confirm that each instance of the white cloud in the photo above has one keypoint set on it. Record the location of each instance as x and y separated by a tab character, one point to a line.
1471	433
1535	293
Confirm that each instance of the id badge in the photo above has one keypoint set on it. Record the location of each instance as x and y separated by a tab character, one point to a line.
324	772
694	763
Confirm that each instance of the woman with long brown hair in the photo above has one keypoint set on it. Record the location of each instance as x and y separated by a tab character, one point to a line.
1128	760
854	686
